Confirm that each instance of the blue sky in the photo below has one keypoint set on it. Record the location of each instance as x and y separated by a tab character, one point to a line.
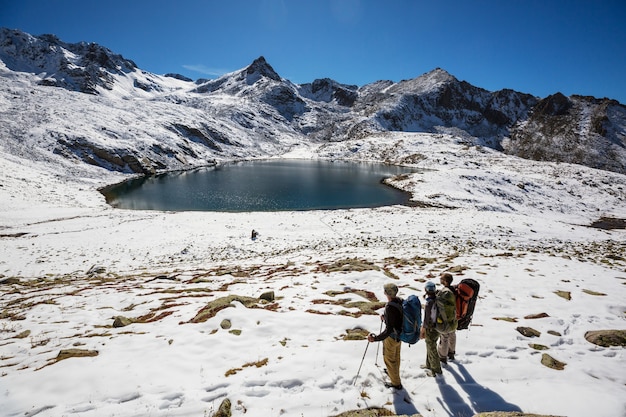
537	47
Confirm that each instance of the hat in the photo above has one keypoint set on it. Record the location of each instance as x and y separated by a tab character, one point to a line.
430	286
391	289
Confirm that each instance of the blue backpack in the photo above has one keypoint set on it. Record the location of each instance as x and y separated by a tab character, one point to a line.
411	319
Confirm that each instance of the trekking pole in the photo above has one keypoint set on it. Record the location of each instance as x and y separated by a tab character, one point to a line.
378	347
359	371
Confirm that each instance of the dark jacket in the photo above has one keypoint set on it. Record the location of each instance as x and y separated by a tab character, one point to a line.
393	320
430	313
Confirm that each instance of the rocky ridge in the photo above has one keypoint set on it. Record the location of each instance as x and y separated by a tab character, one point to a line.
128	120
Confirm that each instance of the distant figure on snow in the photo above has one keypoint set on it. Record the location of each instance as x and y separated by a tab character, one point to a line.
255	234
391	336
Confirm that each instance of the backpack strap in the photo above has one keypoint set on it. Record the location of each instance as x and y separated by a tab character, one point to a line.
398	305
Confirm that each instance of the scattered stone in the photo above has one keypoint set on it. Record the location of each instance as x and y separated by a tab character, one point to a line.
554	333
591	292
96	269
121	321
165	277
537	316
10	281
236	332
537	346
75	353
226	324
550	362
23	335
564	294
528	331
509	319
457	269
224	410
607	338
267	296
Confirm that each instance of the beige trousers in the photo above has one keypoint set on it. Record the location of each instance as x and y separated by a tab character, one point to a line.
391	355
447	344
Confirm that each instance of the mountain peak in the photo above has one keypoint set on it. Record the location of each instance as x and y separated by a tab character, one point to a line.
260	68
439	75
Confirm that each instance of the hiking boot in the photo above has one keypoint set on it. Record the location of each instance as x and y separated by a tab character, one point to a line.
433	374
443	360
424	366
451	356
390	385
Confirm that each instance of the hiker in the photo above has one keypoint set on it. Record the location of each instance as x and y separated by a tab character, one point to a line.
255	234
447	341
429	332
391	336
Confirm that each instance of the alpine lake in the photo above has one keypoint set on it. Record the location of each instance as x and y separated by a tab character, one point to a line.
263	185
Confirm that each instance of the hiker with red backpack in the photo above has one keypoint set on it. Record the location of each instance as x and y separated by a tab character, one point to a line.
447	341
391	336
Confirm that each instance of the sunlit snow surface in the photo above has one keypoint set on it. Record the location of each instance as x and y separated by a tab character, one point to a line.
516	226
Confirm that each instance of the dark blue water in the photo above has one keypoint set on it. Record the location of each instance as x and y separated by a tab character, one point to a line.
270	185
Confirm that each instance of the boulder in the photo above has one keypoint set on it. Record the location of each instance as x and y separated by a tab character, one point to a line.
607	338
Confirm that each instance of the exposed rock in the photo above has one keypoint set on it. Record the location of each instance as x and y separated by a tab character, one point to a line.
96	270
215	306
609	223
267	296
369	412
178	77
355	334
528	331
564	294
607	338
550	362
121	321
224	409
75	353
226	324
537	316
23	335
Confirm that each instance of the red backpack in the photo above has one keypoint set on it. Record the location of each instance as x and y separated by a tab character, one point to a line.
466	296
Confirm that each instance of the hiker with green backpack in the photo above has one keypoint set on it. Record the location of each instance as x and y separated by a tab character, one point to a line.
447	339
391	336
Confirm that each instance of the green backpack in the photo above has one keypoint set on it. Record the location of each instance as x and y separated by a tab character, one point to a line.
446	312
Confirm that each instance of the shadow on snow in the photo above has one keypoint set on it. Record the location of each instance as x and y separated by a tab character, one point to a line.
481	398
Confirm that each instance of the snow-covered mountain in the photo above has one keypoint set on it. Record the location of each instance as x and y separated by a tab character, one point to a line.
82	102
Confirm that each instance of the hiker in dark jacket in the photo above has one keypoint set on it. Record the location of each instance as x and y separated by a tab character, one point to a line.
430	333
447	342
391	335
